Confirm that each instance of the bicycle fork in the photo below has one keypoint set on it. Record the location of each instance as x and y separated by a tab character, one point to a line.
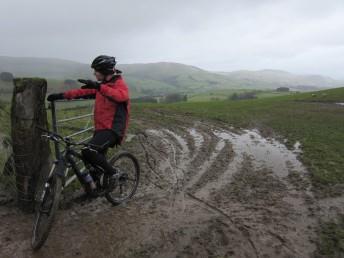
57	169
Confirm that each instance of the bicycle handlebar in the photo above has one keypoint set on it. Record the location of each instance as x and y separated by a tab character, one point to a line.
58	138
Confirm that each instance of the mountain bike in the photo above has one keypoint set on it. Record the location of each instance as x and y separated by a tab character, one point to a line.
117	188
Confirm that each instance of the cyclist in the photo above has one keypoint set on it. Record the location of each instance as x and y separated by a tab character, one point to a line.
111	111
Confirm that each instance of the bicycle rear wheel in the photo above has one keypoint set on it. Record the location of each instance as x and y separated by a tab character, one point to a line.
125	186
45	211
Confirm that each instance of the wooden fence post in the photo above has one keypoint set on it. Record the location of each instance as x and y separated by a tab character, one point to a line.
32	155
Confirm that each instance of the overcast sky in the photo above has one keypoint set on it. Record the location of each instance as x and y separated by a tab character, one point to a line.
301	36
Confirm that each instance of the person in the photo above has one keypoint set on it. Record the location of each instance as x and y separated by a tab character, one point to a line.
111	110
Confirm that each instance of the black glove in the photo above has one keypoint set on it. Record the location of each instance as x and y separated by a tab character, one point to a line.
89	84
55	96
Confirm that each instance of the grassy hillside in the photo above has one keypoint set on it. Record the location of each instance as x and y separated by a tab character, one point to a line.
163	77
177	76
325	96
277	78
44	67
316	121
215	95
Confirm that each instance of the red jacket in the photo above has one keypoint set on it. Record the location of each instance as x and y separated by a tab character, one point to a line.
112	105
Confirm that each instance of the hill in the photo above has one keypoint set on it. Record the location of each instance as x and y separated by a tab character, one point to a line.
277	78
163	77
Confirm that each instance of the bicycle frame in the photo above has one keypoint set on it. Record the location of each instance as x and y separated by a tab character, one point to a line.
66	161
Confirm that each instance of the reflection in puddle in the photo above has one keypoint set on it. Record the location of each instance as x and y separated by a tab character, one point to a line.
297	147
198	138
264	152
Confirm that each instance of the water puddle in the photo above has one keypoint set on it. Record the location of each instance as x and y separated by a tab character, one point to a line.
264	153
297	148
197	137
268	153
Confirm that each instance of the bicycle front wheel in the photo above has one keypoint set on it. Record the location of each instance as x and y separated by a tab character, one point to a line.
45	211
125	186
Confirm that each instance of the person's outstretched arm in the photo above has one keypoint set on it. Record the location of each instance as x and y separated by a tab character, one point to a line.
80	93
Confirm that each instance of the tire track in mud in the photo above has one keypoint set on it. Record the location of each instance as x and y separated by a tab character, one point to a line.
216	166
218	151
211	169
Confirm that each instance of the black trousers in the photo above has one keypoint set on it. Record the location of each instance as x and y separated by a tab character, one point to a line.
103	140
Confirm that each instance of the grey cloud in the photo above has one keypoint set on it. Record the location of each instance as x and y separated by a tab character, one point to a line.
300	36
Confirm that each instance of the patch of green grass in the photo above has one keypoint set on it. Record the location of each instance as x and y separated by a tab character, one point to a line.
213	95
4	117
331	95
5	180
273	93
331	238
318	126
226	93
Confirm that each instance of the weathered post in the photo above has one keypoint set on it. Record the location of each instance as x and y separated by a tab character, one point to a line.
31	152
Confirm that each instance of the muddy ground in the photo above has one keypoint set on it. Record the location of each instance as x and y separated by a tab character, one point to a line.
206	190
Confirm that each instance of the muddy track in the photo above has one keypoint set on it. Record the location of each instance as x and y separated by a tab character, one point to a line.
206	191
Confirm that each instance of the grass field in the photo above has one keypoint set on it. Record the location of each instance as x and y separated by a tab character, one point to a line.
216	95
314	120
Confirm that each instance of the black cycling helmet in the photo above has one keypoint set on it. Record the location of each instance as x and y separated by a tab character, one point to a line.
104	64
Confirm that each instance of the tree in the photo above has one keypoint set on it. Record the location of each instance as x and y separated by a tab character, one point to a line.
244	95
234	96
175	97
283	89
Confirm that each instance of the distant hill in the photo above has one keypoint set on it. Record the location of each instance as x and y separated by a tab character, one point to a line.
163	77
43	67
277	78
171	77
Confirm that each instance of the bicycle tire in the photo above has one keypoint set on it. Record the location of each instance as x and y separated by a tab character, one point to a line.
116	160
42	222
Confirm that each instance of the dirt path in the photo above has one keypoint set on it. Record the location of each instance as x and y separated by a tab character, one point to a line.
206	191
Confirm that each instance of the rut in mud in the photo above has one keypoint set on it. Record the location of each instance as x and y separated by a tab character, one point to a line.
206	191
